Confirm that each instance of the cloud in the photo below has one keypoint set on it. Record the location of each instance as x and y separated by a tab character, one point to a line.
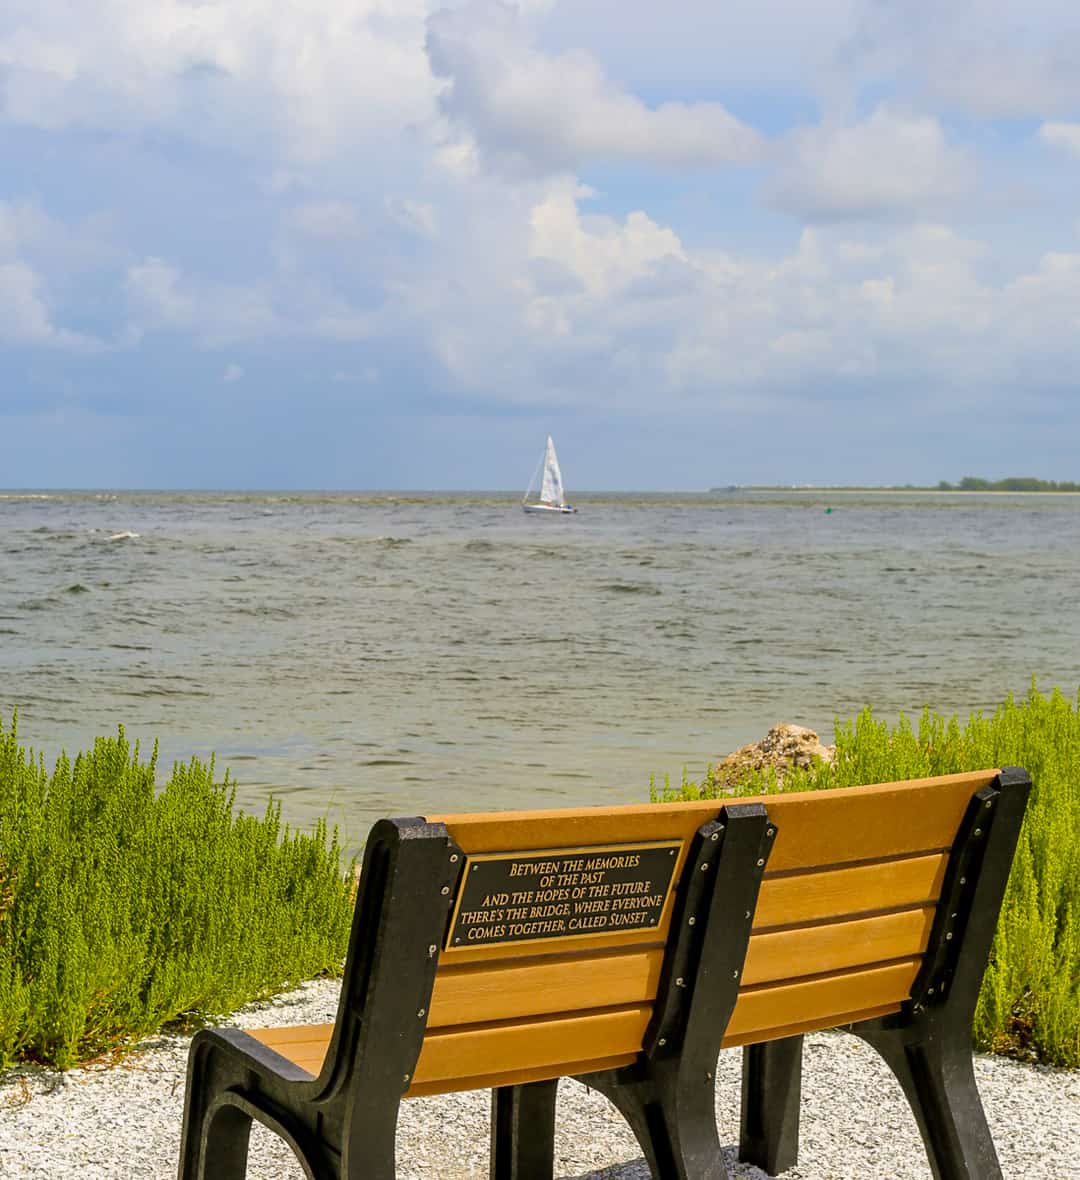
536	113
328	220
1062	135
890	164
310	74
232	374
24	314
416	217
161	299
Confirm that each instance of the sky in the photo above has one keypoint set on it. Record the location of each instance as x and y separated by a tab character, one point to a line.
394	243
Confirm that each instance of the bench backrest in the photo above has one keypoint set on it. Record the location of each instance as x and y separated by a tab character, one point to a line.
813	910
841	924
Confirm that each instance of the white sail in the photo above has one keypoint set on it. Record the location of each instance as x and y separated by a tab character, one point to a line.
552	501
551	490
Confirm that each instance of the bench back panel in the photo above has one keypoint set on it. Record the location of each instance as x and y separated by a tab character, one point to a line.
842	920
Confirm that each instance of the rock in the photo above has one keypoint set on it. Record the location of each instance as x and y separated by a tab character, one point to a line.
783	747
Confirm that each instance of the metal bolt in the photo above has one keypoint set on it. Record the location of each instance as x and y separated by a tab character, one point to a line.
963	880
748	915
662	1041
929	991
708	1076
735	974
770	832
715	836
475	867
948	936
680	982
760	863
406	1079
691	920
978	831
989	805
433	948
445	890
421	1014
453	858
704	866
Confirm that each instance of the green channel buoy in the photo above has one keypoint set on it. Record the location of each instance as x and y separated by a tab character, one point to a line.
827	511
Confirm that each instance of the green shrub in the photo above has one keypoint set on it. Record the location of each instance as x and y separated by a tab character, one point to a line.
1030	1001
124	907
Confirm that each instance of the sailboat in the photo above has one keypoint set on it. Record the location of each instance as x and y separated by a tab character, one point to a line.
552	497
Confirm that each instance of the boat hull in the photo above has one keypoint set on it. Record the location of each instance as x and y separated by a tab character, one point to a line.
548	509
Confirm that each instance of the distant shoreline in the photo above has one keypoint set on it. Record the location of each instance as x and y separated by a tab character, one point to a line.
787	490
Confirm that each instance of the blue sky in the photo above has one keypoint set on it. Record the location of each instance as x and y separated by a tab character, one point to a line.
393	243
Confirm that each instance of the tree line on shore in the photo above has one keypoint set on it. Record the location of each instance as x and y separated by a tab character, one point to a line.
1012	483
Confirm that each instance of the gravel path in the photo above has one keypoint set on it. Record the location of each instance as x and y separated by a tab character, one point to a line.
123	1122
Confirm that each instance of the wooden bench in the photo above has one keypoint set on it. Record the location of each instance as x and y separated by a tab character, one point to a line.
625	946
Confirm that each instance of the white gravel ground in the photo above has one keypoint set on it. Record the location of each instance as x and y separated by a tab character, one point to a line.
123	1122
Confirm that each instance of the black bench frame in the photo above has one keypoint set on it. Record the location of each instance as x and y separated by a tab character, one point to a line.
341	1125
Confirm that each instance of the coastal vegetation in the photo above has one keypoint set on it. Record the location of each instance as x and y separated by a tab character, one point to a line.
125	908
1029	1006
1013	483
968	483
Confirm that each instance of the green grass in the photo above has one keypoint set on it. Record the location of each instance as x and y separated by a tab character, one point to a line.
124	907
1029	1006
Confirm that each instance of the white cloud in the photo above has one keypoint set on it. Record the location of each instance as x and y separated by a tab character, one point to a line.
417	217
314	71
328	220
1062	135
232	374
540	112
889	164
161	298
25	318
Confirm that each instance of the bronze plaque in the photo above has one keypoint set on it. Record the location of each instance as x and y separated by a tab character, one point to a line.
562	893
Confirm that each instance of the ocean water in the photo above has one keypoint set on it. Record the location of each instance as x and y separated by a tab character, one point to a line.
358	655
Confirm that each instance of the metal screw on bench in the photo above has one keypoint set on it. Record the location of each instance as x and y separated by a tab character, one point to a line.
453	858
715	836
680	982
421	1014
705	866
445	890
431	951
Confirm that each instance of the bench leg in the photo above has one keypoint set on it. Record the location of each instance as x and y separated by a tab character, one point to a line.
215	1136
523	1131
935	1069
225	1094
771	1090
673	1118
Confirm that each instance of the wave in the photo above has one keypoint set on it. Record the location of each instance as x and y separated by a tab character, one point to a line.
630	588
